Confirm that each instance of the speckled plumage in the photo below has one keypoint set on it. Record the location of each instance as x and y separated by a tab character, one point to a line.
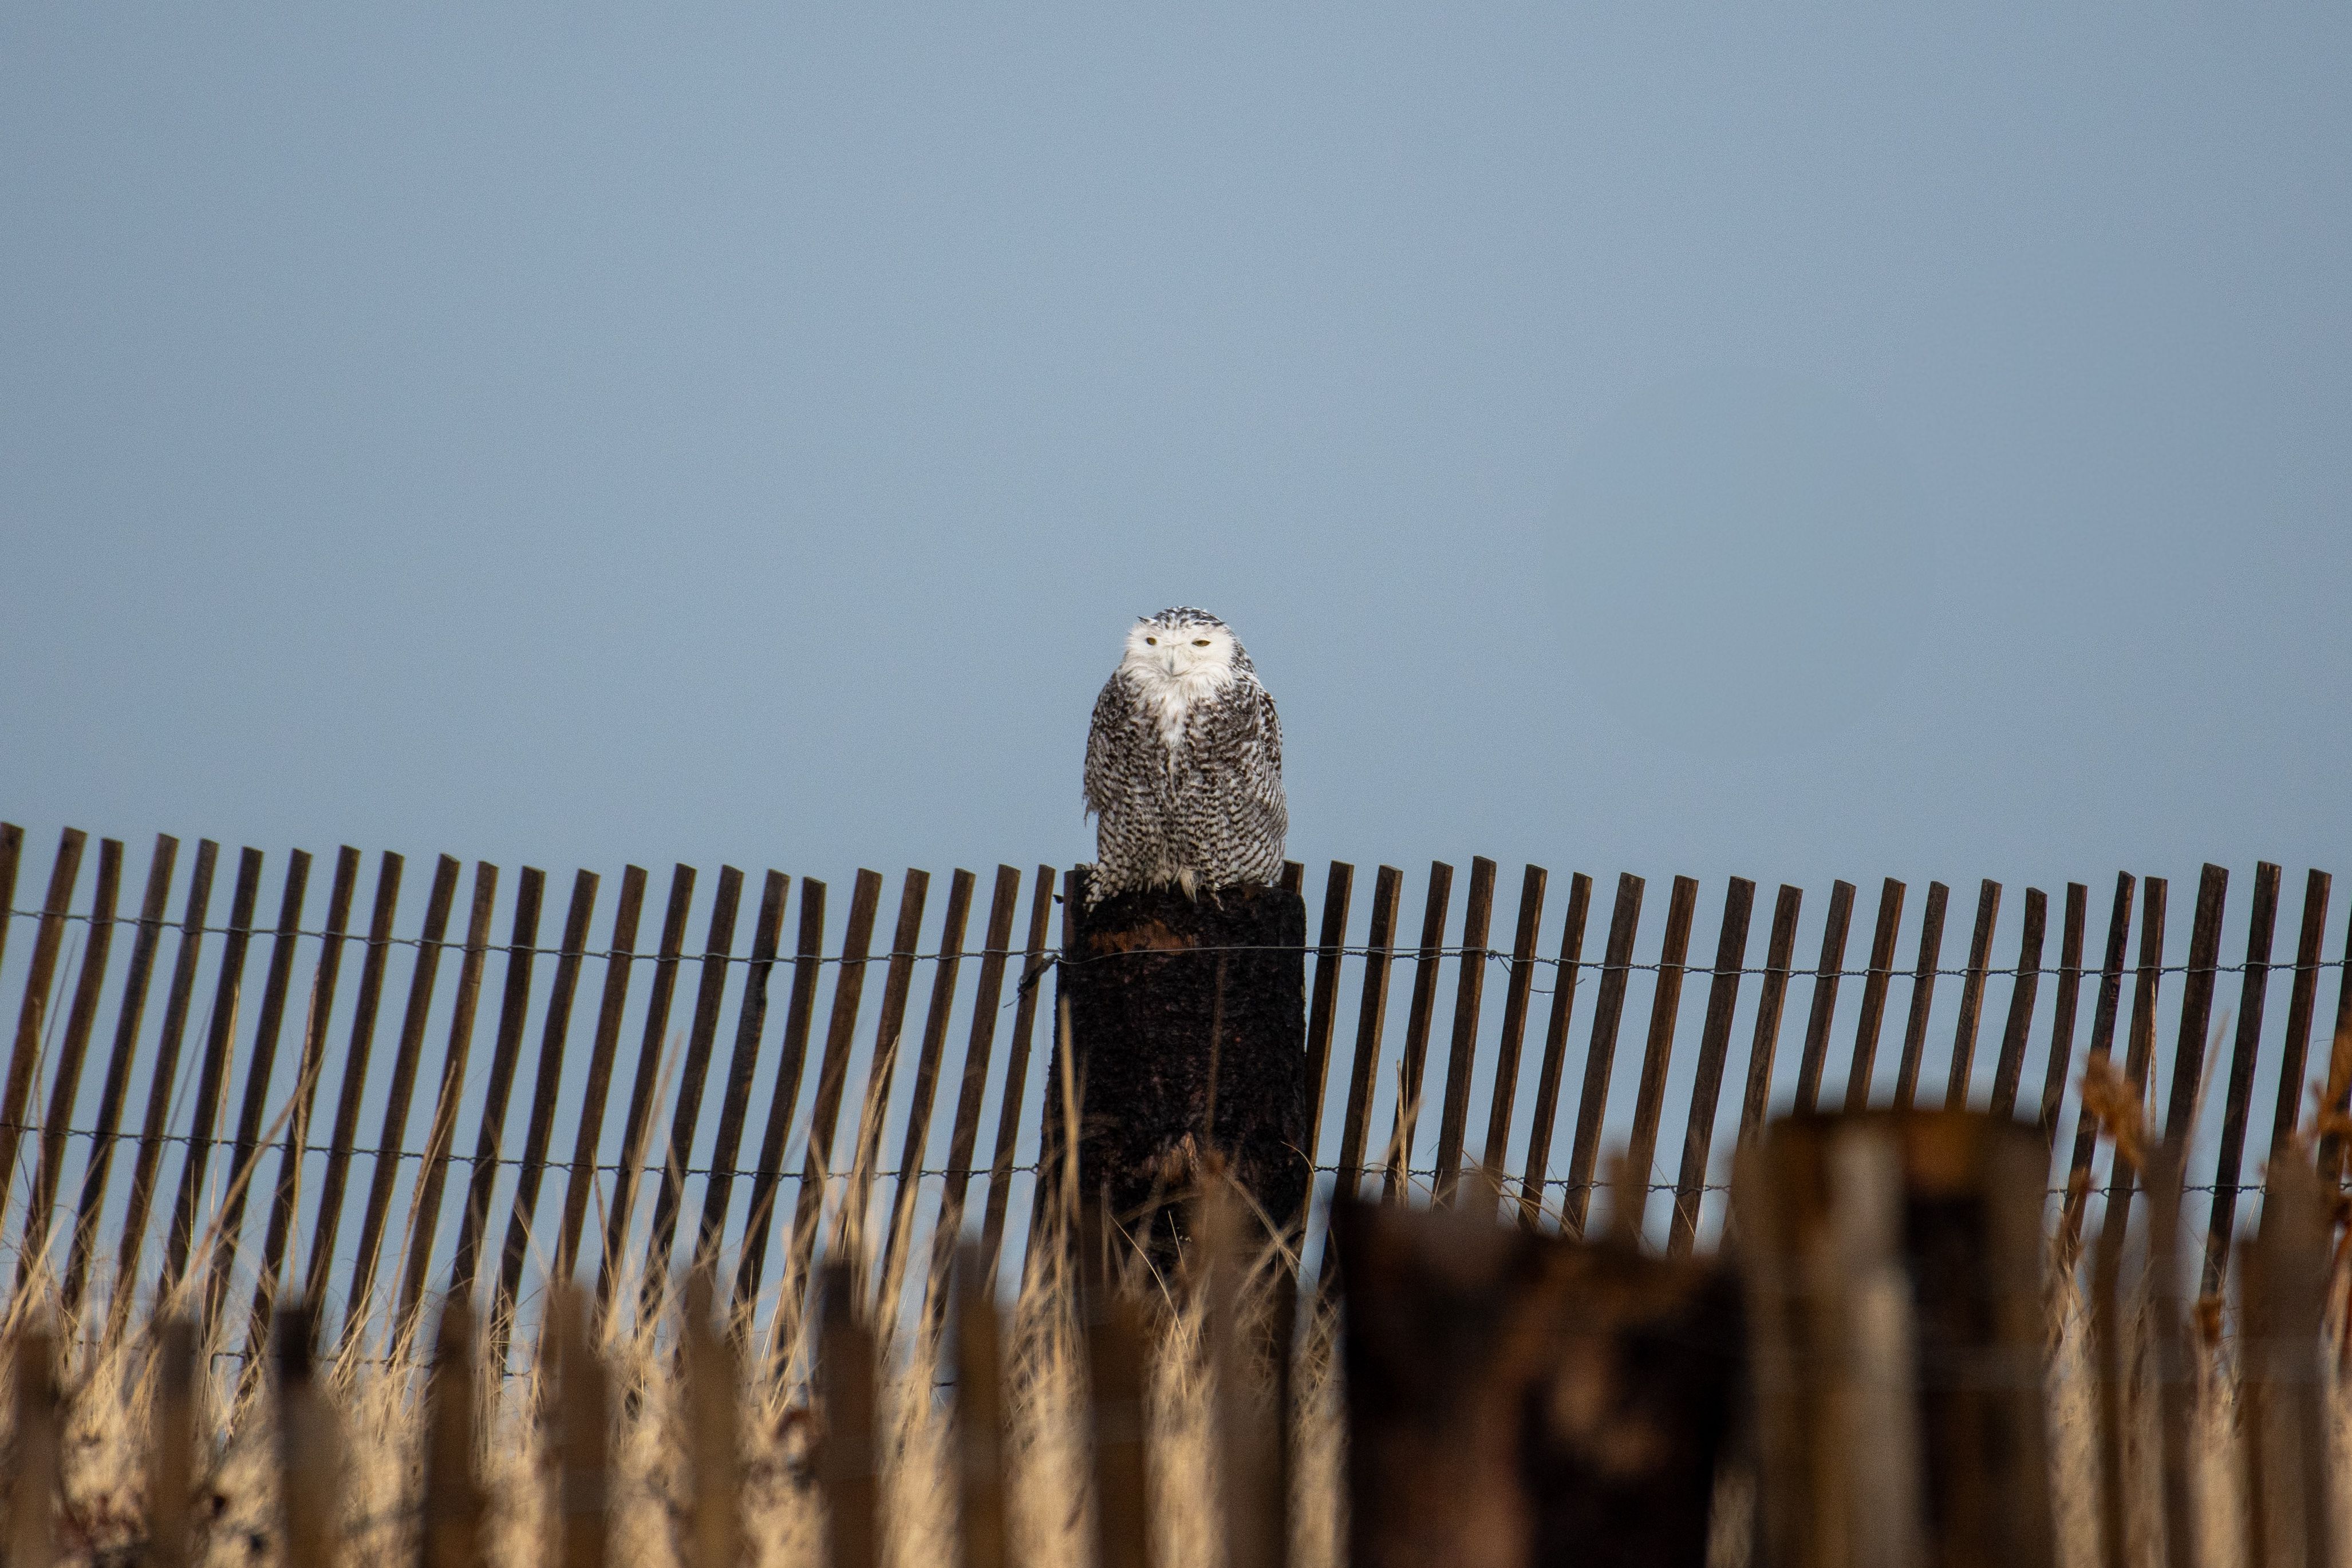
1185	763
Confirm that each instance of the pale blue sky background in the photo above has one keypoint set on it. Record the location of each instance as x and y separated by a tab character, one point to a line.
583	434
1790	442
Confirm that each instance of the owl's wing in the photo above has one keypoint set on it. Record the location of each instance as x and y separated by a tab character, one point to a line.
1107	739
1246	730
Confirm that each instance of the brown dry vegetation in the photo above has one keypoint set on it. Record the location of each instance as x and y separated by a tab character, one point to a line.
108	1388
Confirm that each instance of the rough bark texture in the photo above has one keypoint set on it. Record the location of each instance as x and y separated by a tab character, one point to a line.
1516	1399
1188	1027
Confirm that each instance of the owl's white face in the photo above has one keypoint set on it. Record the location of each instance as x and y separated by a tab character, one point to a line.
1194	655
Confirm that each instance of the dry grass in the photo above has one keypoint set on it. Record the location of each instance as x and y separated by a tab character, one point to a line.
109	1386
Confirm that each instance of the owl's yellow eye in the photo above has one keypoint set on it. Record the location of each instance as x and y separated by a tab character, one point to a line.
1200	641
1151	641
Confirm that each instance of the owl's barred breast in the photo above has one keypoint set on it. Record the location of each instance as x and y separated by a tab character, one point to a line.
1184	765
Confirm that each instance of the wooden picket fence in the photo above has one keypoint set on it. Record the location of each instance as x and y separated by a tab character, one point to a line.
248	1170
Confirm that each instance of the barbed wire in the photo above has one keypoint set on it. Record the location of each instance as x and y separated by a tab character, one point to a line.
1399	954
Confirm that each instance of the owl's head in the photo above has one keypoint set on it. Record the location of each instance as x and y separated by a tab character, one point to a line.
1186	644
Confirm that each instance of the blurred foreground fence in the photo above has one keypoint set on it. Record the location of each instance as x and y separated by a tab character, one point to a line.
246	1094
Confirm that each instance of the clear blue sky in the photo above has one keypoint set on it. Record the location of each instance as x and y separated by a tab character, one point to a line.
1790	442
1783	441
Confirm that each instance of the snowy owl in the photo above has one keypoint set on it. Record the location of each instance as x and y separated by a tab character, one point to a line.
1185	763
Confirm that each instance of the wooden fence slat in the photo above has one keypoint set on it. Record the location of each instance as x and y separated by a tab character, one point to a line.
2009	1071
128	1014
1470	966
686	1113
34	1460
1923	994
988	995
358	1047
2065	1013
1519	986
635	1122
980	1481
440	1139
170	1480
581	1180
23	1061
490	1125
162	1079
908	1185
11	854
296	1142
1874	995
2338	1096
1665	1003
2139	1054
1601	1052
1537	1171
385	1167
1016	1074
554	1035
1416	1029
742	1062
848	1455
1118	1427
65	1080
825	1112
309	1456
808	958
2101	1046
2196	1005
210	1079
1371	1020
2262	926
1835	927
1293	878
2167	1327
1323	999
881	1071
449	1531
1779	952
1964	1033
2302	1002
581	1435
1714	1045
711	1394
227	1233
2283	1285
1055	1195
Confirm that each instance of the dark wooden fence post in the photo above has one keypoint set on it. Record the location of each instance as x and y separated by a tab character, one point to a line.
1894	1268
34	1460
979	1415
847	1455
1188	1027
1519	1399
171	1443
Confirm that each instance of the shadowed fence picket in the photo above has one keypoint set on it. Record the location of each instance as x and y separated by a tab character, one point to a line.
885	1084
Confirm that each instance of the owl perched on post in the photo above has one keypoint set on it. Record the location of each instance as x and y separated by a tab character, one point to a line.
1185	763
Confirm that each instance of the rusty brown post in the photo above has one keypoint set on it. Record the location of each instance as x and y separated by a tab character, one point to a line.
449	1534
172	1425
713	1378
310	1445
581	1436
33	1449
